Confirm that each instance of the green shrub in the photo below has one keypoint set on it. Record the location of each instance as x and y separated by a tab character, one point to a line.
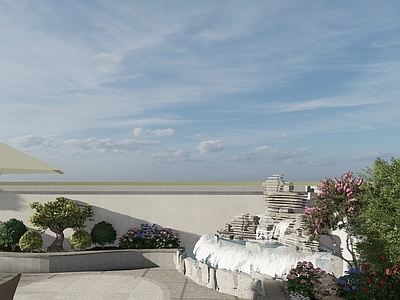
103	233
30	240
10	233
379	224
80	239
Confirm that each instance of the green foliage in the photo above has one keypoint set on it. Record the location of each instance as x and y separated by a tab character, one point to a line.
149	237
103	233
336	207
31	240
80	239
59	215
302	279
380	221
10	233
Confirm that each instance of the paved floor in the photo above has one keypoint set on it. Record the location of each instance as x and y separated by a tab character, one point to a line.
143	284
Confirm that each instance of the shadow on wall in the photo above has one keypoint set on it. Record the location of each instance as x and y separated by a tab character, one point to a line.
334	245
10	201
122	222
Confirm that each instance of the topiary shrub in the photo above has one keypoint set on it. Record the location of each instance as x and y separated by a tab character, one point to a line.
10	233
80	239
103	233
30	240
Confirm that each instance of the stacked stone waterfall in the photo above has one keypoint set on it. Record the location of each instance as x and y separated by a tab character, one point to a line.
282	220
284	217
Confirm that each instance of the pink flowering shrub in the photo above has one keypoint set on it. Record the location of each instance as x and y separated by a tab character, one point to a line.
336	207
302	279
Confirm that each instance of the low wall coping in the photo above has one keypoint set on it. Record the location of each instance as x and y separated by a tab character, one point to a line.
79	261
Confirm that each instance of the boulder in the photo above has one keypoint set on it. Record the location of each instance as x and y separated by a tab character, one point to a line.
326	286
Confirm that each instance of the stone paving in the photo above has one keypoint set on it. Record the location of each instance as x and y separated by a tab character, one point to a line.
141	284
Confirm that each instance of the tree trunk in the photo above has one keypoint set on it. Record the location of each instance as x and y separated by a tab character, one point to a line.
57	245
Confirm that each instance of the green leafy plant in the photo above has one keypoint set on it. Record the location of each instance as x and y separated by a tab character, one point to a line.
10	233
59	215
80	239
379	222
103	233
302	278
148	237
30	240
337	206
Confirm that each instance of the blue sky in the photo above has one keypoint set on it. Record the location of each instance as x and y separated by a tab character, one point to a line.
200	90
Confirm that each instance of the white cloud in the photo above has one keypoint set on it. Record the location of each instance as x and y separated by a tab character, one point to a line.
212	146
172	155
105	145
139	131
270	154
163	132
28	141
158	132
112	57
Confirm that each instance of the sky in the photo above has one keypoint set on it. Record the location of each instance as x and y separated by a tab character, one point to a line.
200	90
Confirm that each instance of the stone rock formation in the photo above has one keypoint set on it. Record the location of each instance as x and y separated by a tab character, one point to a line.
282	221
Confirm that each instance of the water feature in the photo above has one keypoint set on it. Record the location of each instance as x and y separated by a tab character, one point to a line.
271	258
281	228
260	251
238	258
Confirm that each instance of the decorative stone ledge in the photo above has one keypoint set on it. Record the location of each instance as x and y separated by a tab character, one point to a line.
11	262
254	286
235	284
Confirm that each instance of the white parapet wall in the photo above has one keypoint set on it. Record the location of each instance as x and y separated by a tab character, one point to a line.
189	209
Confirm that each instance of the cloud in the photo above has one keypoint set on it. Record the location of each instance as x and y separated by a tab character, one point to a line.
163	132
212	146
158	132
139	131
112	57
270	154
173	156
28	141
105	145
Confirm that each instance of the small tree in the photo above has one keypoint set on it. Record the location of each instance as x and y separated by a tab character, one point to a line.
59	215
336	207
380	220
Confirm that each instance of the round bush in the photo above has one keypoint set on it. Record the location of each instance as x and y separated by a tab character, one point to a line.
80	239
10	233
103	233
30	240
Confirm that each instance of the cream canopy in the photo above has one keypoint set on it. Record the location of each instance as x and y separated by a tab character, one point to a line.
13	161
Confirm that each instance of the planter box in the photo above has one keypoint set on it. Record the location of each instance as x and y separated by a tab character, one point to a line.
11	262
